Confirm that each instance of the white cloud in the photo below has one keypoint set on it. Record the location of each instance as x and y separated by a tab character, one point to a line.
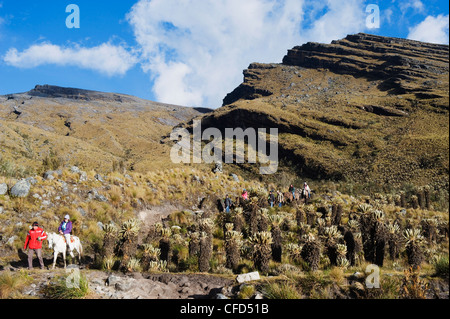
432	29
341	18
106	58
415	5
195	51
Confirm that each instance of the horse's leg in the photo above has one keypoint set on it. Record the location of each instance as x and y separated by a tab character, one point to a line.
64	256
80	249
55	256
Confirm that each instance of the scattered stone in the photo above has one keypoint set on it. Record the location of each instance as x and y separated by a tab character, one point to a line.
253	276
83	177
3	189
48	176
112	280
218	168
21	189
32	180
75	170
11	240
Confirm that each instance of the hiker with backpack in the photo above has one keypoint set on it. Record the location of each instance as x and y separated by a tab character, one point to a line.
245	195
271	198
307	190
228	204
280	198
292	190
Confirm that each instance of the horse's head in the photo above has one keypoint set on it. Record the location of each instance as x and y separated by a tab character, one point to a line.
50	239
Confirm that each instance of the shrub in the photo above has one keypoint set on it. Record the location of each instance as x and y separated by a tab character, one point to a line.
281	291
441	267
12	283
413	287
60	290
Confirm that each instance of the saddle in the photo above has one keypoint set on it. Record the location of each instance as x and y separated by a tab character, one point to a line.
72	240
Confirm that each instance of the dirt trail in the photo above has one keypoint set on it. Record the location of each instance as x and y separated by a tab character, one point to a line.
154	215
104	285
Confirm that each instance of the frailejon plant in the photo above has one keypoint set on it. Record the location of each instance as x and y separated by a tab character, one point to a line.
263	223
133	265
429	228
149	254
128	239
300	216
310	215
277	245
414	247
233	243
238	219
380	237
206	248
165	245
393	235
311	251
109	240
194	244
350	243
262	251
294	251
331	237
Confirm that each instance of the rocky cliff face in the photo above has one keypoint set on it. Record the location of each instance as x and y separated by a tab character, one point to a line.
398	62
403	66
365	108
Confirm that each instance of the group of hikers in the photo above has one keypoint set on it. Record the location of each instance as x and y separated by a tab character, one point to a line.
278	198
36	235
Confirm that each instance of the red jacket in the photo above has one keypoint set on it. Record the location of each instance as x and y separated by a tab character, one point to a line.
32	239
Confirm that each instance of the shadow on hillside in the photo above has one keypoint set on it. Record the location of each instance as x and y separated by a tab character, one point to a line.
22	261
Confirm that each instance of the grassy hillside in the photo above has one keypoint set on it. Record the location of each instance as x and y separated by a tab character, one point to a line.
93	130
366	110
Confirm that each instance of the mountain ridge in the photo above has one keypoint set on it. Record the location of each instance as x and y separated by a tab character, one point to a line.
365	109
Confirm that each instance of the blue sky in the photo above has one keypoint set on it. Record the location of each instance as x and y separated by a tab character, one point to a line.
189	52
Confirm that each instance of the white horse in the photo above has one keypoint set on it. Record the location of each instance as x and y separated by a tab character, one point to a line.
57	242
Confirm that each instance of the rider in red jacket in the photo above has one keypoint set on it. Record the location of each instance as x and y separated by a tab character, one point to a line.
34	243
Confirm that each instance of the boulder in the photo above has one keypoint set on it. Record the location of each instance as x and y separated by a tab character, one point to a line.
21	189
3	189
112	280
253	276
